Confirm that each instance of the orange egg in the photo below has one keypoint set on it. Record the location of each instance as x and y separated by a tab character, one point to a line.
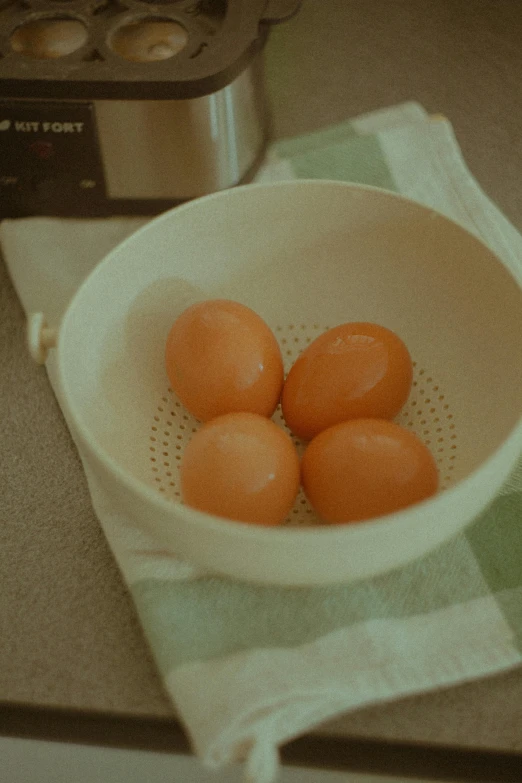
241	466
355	370
222	357
366	468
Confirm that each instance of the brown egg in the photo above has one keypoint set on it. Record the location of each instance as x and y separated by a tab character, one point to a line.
243	467
222	357
355	370
366	468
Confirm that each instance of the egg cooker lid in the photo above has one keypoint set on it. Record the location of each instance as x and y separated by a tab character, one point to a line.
219	39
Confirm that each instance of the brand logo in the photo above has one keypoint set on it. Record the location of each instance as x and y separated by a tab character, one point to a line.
33	126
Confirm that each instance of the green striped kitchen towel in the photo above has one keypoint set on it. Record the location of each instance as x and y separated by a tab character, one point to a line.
250	667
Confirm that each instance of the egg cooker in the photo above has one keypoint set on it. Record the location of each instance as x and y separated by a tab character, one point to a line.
110	107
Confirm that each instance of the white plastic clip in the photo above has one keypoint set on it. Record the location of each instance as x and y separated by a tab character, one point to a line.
40	337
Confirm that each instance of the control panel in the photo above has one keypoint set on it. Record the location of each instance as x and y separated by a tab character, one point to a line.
49	159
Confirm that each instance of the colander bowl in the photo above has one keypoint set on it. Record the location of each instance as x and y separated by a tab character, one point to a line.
306	256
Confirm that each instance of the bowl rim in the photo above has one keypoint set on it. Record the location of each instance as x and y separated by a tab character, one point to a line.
244	530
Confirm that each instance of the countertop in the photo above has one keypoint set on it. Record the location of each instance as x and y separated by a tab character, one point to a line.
71	647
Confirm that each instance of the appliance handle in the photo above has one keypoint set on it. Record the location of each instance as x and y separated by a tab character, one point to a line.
40	337
277	11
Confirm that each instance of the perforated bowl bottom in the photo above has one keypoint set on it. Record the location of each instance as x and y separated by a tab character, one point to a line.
427	413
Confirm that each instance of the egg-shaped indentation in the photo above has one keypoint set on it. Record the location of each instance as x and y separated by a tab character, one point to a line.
49	38
148	40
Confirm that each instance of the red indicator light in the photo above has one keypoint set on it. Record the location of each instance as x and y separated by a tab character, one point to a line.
42	149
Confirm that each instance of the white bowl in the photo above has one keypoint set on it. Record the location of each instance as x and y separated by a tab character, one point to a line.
305	255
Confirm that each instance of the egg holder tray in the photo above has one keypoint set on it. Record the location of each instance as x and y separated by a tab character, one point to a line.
222	36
